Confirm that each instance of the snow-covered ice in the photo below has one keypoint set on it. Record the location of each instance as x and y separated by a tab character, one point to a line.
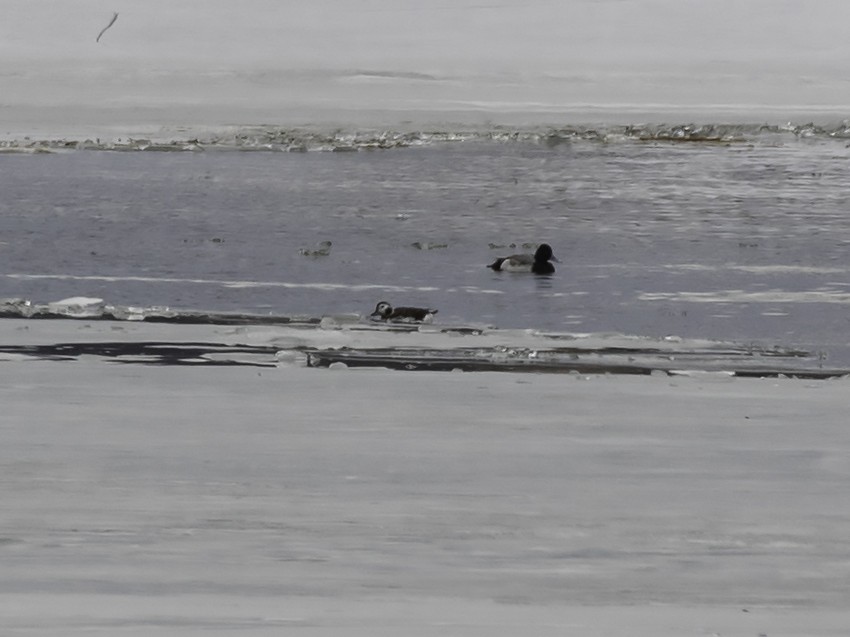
149	499
213	63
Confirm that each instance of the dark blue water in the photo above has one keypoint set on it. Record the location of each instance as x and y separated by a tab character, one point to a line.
745	241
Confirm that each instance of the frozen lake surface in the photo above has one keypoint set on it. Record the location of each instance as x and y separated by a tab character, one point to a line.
176	500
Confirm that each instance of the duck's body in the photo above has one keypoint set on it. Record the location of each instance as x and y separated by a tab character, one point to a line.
386	312
538	263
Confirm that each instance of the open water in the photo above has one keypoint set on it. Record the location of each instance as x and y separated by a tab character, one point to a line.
732	233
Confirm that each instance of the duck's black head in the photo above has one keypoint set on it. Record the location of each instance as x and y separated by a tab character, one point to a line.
544	253
542	258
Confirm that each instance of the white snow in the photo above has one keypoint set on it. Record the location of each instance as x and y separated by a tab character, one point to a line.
215	63
147	500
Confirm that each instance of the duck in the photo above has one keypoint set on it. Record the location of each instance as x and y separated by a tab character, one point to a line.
538	263
386	312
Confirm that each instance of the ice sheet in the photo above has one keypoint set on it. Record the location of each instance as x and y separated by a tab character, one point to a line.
177	500
216	63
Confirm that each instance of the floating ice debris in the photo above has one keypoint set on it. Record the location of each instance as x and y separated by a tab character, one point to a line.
526	245
339	321
95	309
705	374
28	150
16	305
428	246
129	313
327	323
291	357
275	139
323	249
78	306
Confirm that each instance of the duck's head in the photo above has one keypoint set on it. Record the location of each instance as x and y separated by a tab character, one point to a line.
382	309
544	253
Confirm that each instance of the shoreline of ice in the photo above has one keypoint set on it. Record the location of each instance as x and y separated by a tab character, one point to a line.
178	500
82	326
350	137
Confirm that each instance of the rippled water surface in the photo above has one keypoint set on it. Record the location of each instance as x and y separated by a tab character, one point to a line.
743	240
